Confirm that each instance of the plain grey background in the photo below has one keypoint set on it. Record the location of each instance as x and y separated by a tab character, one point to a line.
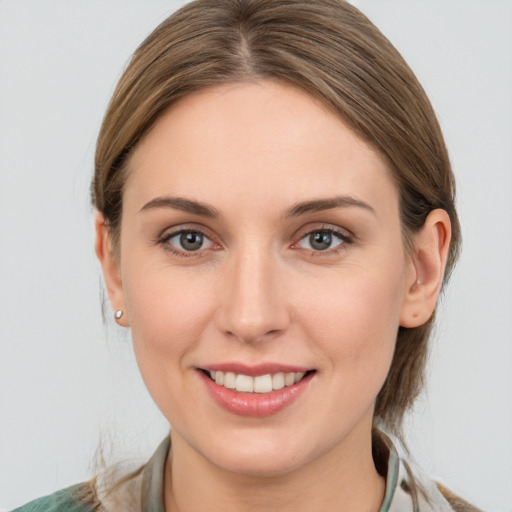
69	382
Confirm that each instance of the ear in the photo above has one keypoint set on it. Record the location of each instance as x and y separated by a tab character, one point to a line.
110	265
426	271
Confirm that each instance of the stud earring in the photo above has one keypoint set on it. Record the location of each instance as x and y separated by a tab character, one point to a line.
118	314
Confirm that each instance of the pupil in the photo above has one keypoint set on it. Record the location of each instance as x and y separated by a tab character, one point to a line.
191	241
320	241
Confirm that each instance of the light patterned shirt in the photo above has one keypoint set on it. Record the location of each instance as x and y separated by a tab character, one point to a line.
407	490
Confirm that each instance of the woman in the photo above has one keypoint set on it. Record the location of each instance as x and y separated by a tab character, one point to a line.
275	220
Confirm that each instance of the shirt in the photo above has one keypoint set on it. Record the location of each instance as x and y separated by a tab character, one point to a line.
144	492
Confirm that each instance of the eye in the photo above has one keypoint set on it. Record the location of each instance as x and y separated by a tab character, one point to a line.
188	241
322	240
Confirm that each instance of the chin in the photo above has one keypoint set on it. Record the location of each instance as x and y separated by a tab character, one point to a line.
259	466
260	459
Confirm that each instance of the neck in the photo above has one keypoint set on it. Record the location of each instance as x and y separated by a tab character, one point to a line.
344	479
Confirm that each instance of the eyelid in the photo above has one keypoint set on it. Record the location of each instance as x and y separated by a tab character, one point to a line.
345	235
170	232
179	228
205	239
313	227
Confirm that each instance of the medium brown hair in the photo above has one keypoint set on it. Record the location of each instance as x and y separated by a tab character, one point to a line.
327	48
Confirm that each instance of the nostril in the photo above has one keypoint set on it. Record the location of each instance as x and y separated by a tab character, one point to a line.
253	336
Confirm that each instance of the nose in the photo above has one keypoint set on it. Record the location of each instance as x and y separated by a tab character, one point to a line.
253	304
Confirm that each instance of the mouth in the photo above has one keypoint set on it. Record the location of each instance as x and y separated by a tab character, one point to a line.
267	383
269	390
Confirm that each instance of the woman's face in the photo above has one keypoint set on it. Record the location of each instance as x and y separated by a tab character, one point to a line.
261	238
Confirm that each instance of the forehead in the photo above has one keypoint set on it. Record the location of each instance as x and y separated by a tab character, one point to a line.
251	137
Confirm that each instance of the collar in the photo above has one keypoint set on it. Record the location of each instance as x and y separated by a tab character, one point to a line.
395	498
398	475
153	479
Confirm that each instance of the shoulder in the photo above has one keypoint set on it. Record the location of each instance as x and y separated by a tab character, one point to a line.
432	496
408	488
456	502
120	488
78	498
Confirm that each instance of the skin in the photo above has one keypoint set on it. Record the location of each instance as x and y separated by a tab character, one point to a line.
257	291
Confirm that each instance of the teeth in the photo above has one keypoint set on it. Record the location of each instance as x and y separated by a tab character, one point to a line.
260	384
263	384
289	379
244	383
230	380
278	381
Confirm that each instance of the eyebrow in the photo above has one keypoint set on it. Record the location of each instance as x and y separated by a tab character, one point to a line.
205	210
319	205
180	203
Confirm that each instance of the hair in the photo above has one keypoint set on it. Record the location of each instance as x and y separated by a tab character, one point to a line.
328	49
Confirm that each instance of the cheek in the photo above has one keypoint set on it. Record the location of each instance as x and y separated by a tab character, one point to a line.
166	309
167	313
354	320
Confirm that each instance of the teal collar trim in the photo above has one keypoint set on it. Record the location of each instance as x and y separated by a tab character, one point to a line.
392	475
153	479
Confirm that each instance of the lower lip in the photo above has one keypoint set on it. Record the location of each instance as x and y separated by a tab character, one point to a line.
255	405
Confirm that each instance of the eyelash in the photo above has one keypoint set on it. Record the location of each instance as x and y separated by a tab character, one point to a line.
343	237
165	239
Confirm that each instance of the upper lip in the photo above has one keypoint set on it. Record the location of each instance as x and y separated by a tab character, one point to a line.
255	370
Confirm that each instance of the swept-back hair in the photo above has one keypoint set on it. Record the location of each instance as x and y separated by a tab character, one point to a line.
327	48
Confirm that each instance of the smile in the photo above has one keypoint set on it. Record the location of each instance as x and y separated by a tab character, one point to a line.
261	384
269	390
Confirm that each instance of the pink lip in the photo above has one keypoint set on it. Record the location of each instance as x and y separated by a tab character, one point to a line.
256	370
255	405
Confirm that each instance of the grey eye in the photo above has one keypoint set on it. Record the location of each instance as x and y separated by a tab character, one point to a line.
190	241
321	240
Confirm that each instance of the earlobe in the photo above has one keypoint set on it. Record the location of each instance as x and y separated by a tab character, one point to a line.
428	262
110	266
